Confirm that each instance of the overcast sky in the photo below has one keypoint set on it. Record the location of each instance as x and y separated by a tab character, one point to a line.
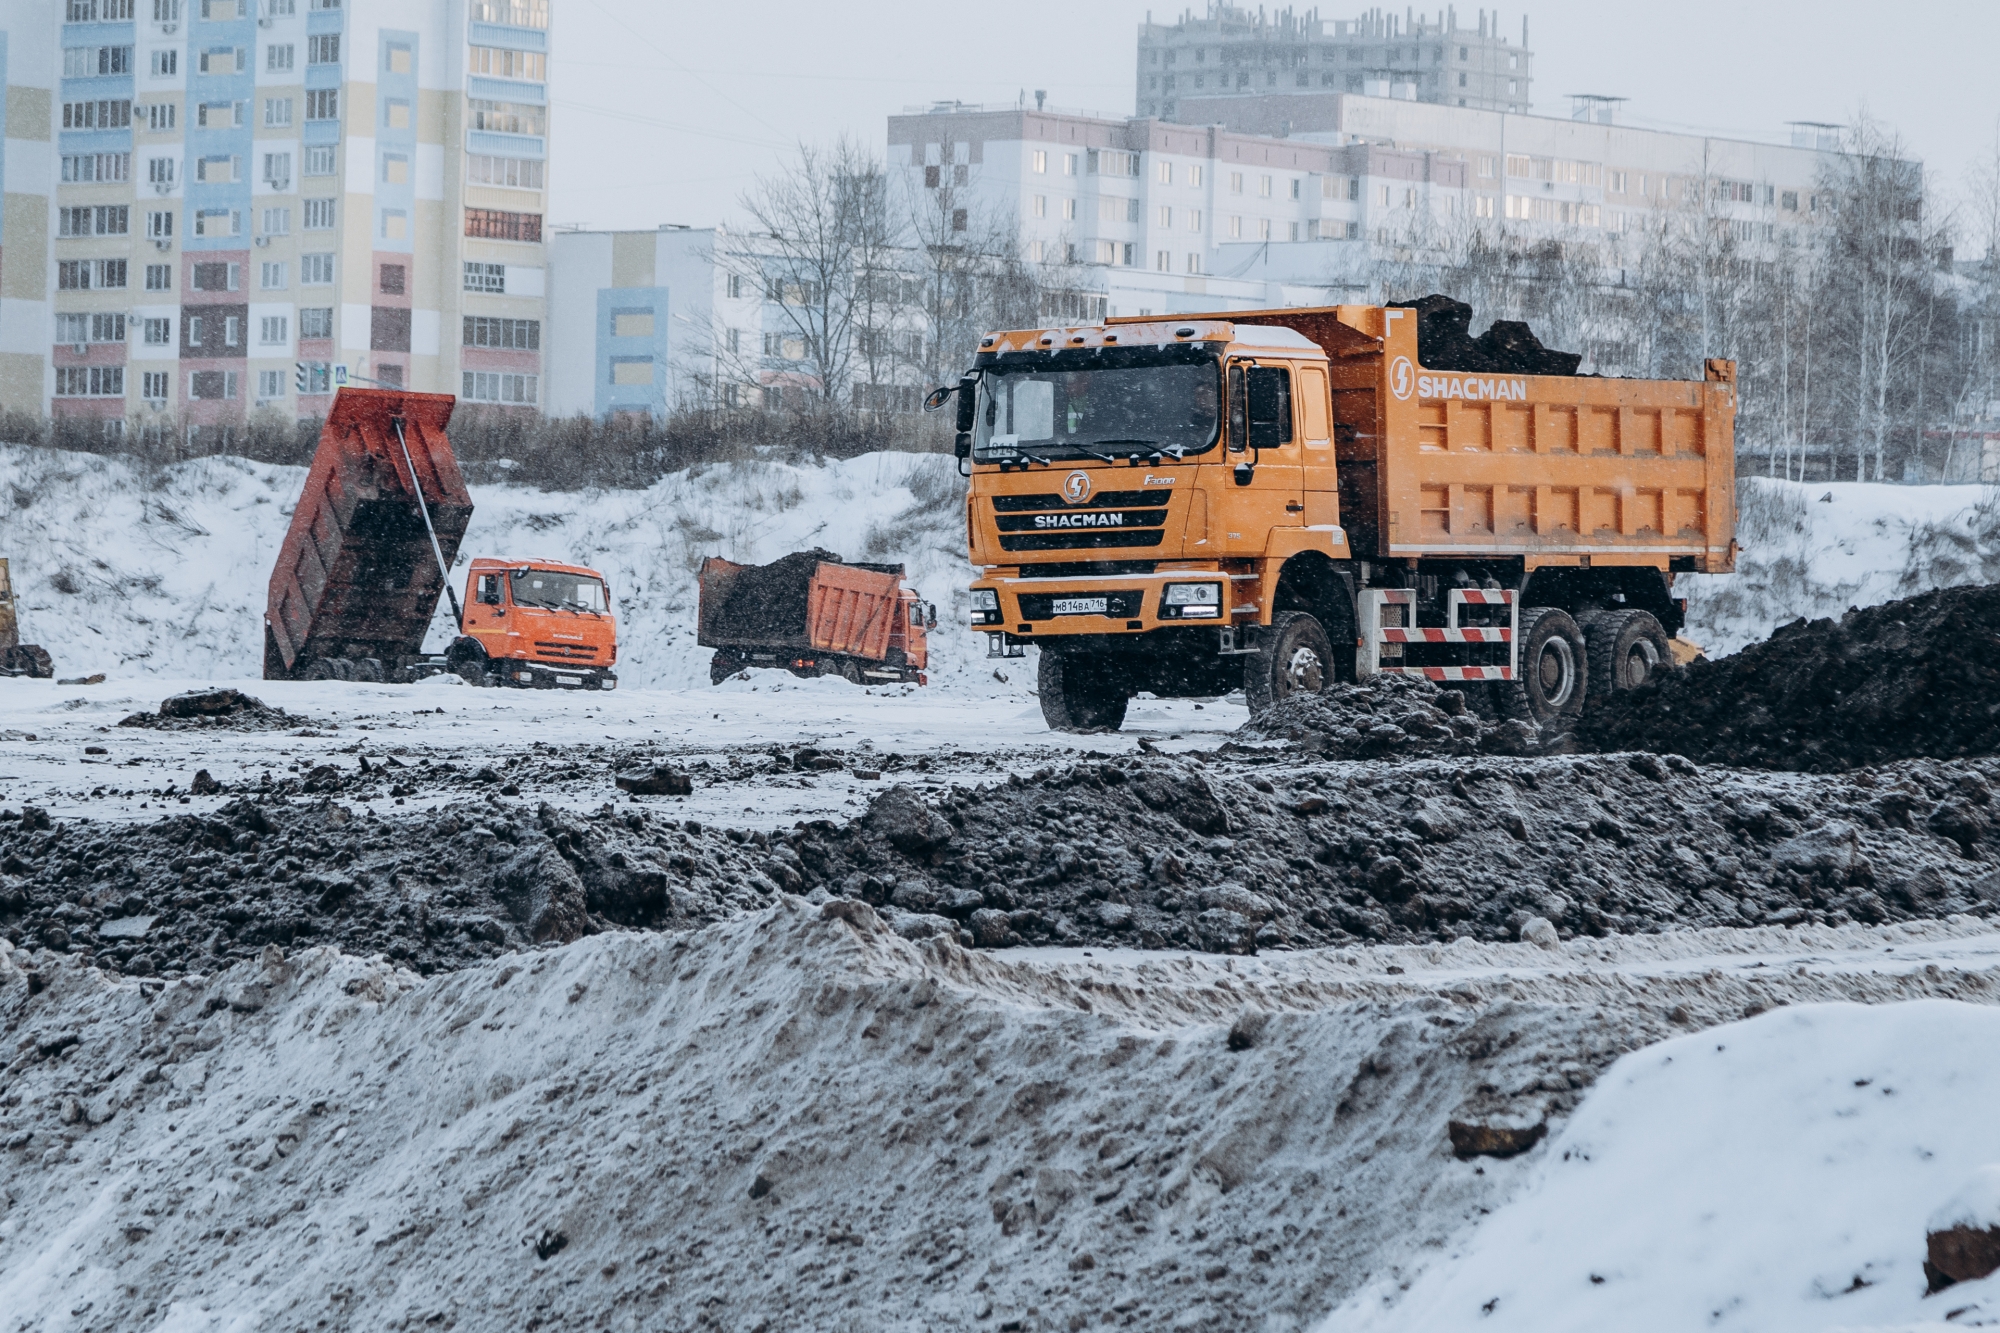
667	112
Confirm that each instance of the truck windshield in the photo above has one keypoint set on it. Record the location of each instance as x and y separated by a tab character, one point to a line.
1051	410
560	592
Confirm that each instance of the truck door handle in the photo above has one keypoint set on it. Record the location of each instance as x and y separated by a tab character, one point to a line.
1293	507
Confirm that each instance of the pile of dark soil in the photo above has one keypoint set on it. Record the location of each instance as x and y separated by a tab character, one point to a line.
1908	679
432	891
1509	347
1231	857
1389	717
207	709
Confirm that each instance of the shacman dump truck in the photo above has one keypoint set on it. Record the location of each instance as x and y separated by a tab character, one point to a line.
366	558
17	658
1278	499
813	614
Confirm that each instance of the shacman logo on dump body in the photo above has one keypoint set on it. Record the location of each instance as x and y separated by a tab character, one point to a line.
1076	487
1400	375
1473	390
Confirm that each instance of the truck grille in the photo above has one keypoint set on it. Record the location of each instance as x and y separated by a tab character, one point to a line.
1051	523
565	652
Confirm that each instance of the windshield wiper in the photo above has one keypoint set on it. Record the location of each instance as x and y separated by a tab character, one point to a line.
1154	447
579	606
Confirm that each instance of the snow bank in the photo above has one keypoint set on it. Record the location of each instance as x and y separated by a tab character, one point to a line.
1977	1203
162	572
1774	1174
1816	550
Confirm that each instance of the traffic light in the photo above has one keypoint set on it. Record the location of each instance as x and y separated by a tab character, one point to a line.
299	375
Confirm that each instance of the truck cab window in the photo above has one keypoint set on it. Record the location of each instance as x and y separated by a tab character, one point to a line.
489	589
1239	431
1270	407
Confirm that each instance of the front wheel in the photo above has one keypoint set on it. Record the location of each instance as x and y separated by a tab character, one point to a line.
1553	673
30	660
1293	656
722	666
1080	693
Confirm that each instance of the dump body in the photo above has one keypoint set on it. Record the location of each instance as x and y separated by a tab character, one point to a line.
541	622
1152	495
356	579
813	613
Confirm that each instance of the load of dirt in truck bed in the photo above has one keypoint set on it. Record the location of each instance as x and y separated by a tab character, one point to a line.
1509	347
206	709
1908	679
1389	717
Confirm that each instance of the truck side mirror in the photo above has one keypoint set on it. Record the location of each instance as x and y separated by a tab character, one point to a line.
968	402
930	615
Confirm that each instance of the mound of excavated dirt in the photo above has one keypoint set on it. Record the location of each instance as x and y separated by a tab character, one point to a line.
1908	679
1389	717
206	709
1445	342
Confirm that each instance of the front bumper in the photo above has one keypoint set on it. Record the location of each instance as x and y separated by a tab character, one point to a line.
1032	609
543	676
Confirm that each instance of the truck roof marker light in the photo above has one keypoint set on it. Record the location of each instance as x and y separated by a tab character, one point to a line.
1047	341
1109	338
1184	333
1077	341
986	342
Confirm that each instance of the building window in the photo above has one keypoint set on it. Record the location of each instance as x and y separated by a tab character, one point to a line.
1236	182
392	279
319	160
1194	177
220	169
90	274
525	335
219	115
106	114
90	381
508	117
154	386
158	332
495	225
1165	171
323	49
315	321
1068	212
1039	162
277	221
319	214
270	385
99	328
215	222
480	386
511	13
274	331
1163	260
223	60
278	170
84	62
278	57
273	276
506	64
84	168
315	270
159	277
103	220
278	111
160	171
1038	206
323	104
1264	186
1194	219
212	384
162	116
486	278
166	64
517	173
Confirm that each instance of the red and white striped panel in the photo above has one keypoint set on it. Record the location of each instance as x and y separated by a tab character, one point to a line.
1470	634
1483	596
1453	673
1395	596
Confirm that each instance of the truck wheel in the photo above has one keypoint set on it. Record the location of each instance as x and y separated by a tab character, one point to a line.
1080	693
722	666
1627	649
1292	657
323	668
1553	669
850	671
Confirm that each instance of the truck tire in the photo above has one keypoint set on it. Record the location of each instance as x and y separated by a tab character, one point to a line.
850	671
1080	692
723	665
30	660
1627	649
1293	656
1554	671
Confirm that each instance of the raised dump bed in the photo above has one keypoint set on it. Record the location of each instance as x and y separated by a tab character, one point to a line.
357	582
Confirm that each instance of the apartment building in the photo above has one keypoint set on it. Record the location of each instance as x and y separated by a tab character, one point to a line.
251	200
1231	49
1169	218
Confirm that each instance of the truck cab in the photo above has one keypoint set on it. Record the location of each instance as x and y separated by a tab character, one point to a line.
1275	500
536	624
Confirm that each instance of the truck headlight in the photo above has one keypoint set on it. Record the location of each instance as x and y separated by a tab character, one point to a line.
1189	601
985	606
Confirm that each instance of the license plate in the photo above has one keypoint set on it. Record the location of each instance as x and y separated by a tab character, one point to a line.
570	680
1081	606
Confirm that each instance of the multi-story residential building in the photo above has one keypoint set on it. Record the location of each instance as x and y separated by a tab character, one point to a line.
1236	50
28	71
254	198
1166	217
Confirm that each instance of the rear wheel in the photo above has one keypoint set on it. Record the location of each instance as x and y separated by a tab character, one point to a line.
1294	656
850	671
1627	649
1551	682
1080	692
722	666
31	660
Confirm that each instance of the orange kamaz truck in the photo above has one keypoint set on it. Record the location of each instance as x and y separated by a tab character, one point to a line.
1278	499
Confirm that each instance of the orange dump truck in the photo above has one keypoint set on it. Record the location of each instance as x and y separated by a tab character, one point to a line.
813	614
536	623
1278	499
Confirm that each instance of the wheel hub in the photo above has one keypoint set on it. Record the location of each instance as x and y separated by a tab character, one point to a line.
1304	672
1556	670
